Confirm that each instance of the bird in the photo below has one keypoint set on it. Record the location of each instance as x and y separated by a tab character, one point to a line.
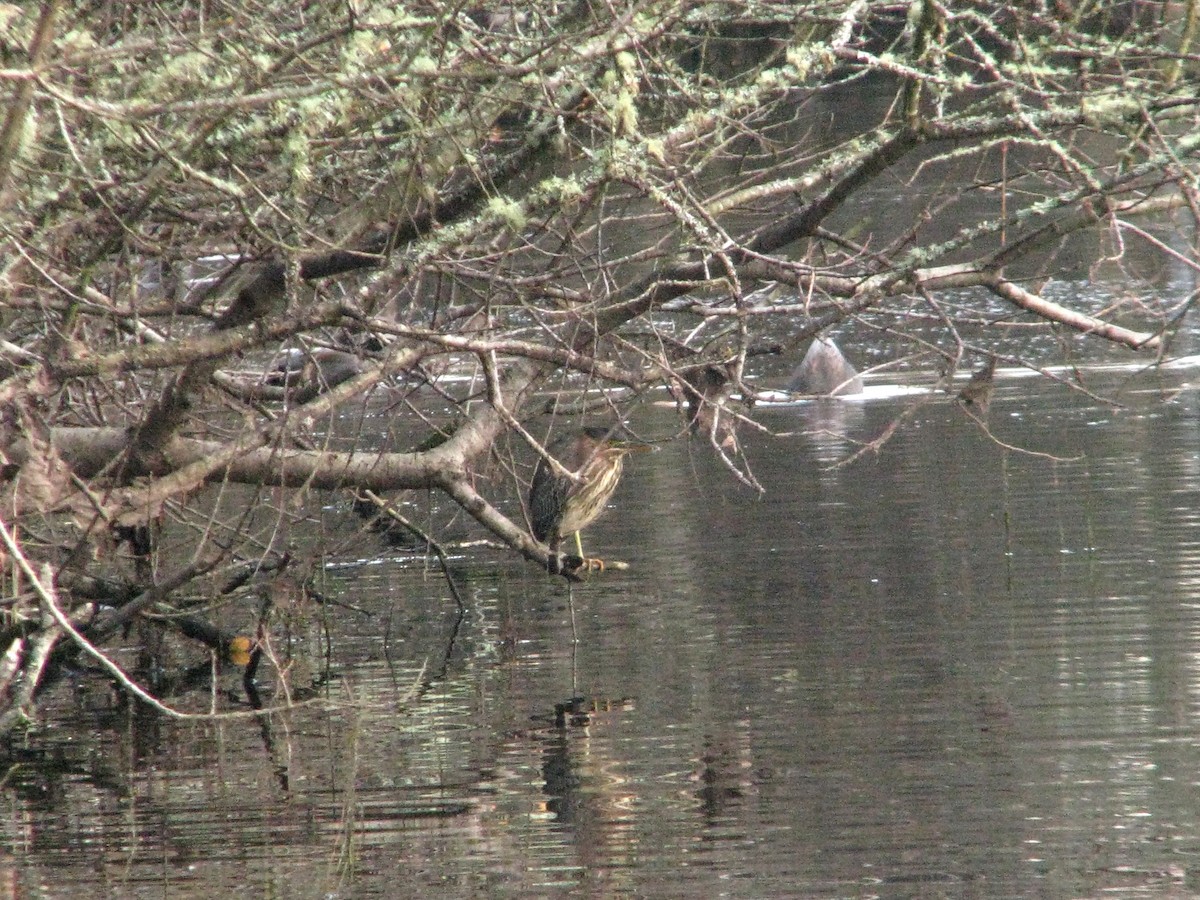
978	391
322	368
706	391
560	505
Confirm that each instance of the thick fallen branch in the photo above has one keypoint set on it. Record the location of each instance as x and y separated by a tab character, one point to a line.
1018	296
461	491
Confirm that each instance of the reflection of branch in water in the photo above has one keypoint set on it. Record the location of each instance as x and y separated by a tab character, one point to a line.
250	686
267	733
983	426
450	642
424	682
392	513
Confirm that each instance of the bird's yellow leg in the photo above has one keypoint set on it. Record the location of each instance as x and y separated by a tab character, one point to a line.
589	565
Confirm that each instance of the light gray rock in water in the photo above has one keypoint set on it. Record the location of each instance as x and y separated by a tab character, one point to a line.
824	370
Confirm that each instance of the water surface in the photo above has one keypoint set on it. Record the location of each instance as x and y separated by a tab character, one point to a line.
945	669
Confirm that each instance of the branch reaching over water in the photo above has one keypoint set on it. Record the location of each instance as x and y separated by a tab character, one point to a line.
1039	306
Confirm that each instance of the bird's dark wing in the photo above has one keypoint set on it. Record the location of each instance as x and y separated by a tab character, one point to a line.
547	501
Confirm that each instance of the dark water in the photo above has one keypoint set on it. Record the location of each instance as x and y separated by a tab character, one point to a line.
948	669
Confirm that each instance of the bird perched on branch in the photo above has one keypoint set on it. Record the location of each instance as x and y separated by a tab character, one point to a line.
560	505
978	391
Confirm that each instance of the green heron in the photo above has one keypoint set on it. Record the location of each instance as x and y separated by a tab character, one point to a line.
560	505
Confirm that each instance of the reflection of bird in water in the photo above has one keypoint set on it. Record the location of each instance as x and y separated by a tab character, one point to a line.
978	391
724	775
560	505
